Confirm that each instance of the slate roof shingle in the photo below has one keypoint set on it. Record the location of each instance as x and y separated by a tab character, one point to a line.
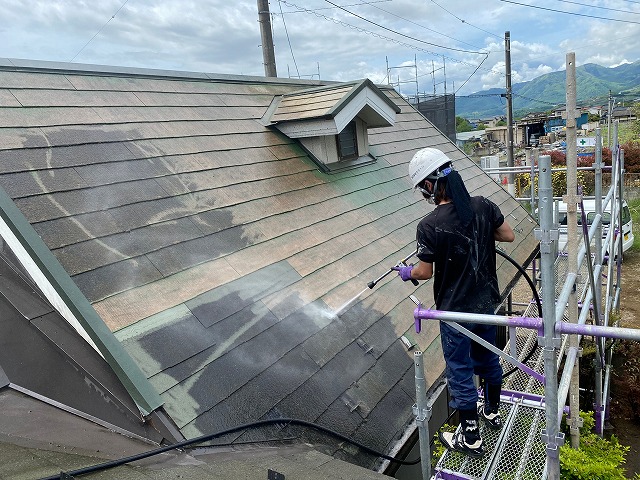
216	250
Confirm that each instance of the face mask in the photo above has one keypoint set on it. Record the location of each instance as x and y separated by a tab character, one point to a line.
428	196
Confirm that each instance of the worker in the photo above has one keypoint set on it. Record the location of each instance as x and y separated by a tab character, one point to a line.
456	245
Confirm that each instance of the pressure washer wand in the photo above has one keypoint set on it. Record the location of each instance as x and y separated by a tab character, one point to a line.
401	263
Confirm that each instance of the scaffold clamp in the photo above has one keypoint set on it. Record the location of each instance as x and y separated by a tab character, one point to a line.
555	342
552	443
545	237
422	414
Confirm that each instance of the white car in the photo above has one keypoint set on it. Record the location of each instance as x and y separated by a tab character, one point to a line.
590	210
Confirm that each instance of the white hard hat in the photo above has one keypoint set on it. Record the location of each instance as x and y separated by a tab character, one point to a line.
425	162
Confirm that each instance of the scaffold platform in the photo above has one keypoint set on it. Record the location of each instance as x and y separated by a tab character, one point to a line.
516	451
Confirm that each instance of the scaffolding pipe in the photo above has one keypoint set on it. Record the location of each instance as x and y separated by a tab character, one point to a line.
597	168
558	328
551	435
422	411
599	331
421	313
572	199
611	243
527	169
550	327
572	352
599	356
597	286
501	353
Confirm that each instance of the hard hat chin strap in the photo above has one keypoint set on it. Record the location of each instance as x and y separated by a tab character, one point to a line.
441	174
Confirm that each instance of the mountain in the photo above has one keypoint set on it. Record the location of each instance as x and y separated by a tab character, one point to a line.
547	91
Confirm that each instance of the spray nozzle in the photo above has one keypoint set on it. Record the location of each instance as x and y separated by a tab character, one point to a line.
373	283
401	263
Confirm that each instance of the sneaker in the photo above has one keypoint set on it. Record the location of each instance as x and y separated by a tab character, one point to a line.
492	419
456	442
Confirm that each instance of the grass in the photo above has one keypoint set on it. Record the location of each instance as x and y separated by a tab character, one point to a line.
626	133
634	207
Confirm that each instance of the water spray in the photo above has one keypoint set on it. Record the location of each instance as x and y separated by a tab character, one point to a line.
370	285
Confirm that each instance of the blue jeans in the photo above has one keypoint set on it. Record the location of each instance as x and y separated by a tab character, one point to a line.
464	358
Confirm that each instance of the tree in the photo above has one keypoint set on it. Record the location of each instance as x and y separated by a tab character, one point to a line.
635	108
463	125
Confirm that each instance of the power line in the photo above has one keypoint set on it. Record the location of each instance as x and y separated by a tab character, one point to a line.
288	39
348	5
422	26
570	13
396	41
602	8
472	74
535	99
383	37
464	21
98	32
402	34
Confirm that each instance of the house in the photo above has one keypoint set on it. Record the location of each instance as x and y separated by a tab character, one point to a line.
471	137
176	246
622	114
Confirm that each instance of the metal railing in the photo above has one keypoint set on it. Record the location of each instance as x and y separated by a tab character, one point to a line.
557	332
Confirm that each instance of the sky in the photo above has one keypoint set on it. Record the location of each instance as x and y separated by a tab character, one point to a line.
419	46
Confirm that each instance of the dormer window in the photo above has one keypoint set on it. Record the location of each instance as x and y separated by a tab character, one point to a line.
331	122
348	142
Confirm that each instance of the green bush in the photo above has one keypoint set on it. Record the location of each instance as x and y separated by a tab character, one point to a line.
634	207
596	459
438	449
558	183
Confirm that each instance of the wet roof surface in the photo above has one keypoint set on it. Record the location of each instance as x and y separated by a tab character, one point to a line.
217	251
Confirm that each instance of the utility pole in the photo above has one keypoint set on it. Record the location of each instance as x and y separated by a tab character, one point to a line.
573	243
508	95
609	112
268	54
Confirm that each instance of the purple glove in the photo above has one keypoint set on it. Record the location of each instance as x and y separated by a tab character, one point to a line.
404	272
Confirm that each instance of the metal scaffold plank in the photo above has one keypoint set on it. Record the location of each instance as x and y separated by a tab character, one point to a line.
516	451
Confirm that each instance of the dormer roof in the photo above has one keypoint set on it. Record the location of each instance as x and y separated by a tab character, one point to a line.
327	110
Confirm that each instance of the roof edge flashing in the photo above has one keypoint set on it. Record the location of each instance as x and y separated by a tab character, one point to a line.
42	282
64	294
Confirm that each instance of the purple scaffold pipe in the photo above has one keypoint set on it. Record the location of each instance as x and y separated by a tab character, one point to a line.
598	331
524	322
420	314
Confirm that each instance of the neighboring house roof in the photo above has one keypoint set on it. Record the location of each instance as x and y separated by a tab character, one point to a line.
218	252
622	112
472	135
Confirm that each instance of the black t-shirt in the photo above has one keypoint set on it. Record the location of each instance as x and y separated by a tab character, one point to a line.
464	258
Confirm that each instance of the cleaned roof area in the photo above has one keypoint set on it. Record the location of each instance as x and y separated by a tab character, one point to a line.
218	252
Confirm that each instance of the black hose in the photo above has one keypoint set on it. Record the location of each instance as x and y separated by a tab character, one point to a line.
204	438
534	292
290	421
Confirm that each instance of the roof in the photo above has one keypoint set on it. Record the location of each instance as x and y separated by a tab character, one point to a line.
362	98
217	252
466	136
32	446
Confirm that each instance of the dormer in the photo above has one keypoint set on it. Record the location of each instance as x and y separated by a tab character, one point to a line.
331	122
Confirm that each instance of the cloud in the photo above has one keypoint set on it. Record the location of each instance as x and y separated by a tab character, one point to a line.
384	41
